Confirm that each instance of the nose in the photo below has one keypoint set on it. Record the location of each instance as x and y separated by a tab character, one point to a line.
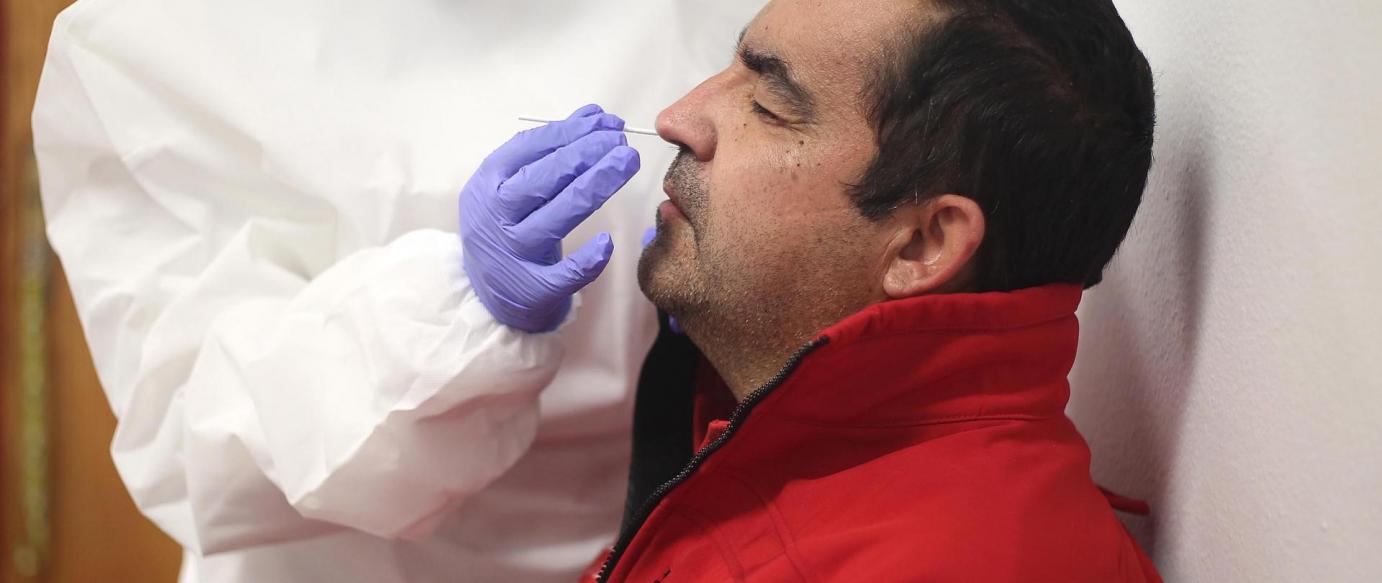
689	123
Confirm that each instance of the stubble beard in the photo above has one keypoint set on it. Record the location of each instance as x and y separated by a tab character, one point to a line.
668	276
738	330
703	278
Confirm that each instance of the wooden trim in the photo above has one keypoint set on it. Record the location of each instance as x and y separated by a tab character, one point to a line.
95	532
9	268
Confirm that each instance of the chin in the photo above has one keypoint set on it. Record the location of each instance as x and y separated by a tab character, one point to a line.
651	270
663	276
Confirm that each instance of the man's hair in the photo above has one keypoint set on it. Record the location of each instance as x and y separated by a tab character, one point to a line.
1040	111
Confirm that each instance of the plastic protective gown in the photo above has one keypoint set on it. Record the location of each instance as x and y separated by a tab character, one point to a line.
254	203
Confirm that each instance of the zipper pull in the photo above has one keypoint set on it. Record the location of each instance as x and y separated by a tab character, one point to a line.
717	428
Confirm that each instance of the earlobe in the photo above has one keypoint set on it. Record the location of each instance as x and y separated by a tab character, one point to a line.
932	247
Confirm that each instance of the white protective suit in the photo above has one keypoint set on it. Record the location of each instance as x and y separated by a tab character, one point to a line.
255	204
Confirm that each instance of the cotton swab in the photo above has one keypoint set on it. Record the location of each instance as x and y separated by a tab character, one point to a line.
627	130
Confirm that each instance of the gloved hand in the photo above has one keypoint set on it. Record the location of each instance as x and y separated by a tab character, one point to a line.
526	197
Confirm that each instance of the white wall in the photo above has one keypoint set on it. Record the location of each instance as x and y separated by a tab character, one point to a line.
1231	363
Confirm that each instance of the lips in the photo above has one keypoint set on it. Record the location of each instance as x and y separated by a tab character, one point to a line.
670	209
669	187
685	192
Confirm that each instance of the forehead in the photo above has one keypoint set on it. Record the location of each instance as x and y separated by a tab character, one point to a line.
832	46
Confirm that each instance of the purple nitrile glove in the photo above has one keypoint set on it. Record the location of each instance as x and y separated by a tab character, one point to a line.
672	322
526	197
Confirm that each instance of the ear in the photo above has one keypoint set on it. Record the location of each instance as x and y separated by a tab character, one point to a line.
932	247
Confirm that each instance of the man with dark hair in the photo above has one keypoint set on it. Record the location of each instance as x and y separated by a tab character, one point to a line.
878	231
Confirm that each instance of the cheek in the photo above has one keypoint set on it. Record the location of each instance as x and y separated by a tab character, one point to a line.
754	207
772	218
777	175
767	188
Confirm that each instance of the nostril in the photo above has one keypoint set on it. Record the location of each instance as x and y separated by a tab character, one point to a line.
688	126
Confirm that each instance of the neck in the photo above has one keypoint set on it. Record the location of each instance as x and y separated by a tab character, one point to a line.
748	351
745	362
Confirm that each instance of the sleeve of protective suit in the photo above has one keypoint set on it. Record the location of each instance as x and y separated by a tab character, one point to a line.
269	385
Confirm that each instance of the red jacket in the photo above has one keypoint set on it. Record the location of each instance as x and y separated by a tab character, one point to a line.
918	440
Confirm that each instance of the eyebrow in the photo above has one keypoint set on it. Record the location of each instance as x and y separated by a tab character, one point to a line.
777	76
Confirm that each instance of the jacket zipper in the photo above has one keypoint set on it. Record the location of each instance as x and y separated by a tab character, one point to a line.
735	420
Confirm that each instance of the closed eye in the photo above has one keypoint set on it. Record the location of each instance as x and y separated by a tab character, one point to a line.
764	113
